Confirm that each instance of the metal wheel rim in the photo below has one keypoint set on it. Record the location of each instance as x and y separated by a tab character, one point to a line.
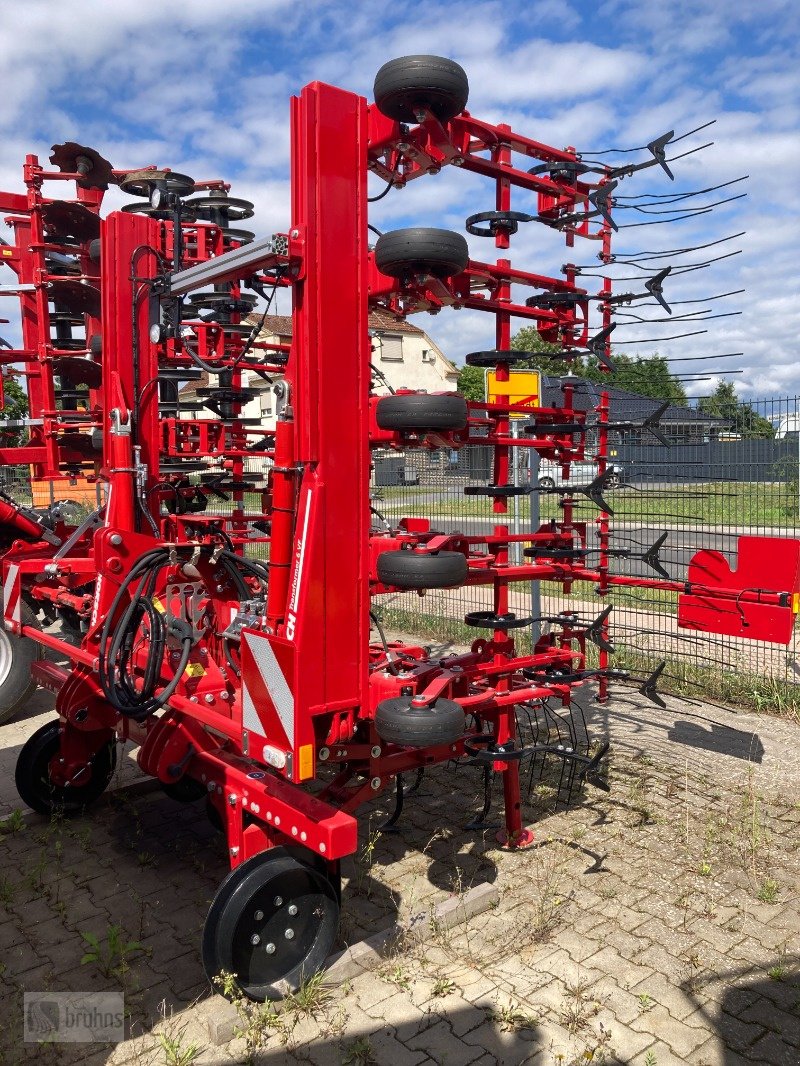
6	656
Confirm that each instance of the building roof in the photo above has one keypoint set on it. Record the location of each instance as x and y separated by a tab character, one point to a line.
281	325
624	406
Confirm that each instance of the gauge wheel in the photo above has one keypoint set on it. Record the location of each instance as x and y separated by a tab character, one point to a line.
34	778
410	570
272	924
440	253
404	85
398	721
422	411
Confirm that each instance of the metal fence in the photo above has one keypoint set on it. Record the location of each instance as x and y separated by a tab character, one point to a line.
704	496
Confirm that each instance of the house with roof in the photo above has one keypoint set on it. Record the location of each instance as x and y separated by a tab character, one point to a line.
403	357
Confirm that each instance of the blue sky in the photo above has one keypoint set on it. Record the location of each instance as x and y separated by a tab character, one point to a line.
203	87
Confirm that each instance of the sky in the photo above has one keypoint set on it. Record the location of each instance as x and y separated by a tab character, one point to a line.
203	87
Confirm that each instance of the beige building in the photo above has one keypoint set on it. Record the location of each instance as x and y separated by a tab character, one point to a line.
403	355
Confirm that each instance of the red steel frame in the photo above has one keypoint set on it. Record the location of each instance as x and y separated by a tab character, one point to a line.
310	680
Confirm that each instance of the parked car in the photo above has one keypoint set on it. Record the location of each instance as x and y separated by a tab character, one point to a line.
550	475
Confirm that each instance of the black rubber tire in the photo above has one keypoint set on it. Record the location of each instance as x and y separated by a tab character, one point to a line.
252	889
408	570
32	775
18	655
611	480
398	721
421	250
410	82
546	483
95	249
422	410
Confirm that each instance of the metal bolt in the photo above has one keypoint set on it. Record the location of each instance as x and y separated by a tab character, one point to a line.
255	939
289	934
193	699
278	901
402	146
115	539
270	949
376	751
324	754
258	916
234	852
232	799
458	161
375	783
292	909
209	698
295	233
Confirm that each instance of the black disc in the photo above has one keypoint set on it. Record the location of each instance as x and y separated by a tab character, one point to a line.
490	620
272	923
74	220
142	182
241	236
72	158
32	775
492	358
235	209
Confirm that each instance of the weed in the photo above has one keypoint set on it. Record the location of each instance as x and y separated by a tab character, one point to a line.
258	1021
310	999
144	858
398	976
768	891
443	986
646	1002
704	869
650	1059
15	822
512	1018
110	955
175	1054
777	972
6	892
359	1053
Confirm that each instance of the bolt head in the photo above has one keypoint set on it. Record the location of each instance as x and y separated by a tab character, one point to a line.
376	751
292	909
289	934
258	916
278	901
375	783
270	949
255	939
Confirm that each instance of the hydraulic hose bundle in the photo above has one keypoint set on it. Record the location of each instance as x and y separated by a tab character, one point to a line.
129	687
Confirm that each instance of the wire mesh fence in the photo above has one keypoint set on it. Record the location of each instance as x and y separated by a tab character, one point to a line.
737	477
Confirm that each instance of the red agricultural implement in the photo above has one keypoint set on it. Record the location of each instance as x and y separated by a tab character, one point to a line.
253	683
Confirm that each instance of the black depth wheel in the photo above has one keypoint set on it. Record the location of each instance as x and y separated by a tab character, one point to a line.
409	570
17	656
422	411
32	775
421	250
404	85
272	923
546	483
398	721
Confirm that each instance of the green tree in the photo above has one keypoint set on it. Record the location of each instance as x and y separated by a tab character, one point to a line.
741	417
15	407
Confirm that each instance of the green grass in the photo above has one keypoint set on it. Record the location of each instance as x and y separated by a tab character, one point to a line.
733	503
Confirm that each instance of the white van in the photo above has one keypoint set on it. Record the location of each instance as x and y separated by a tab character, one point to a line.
550	475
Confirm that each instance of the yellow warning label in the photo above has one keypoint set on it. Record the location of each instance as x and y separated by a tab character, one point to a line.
194	670
159	606
305	762
795	602
522	387
7	252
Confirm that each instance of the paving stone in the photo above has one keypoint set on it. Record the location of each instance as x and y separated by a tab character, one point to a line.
773	1051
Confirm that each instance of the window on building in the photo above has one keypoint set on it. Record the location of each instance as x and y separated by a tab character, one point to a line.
266	403
391	349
